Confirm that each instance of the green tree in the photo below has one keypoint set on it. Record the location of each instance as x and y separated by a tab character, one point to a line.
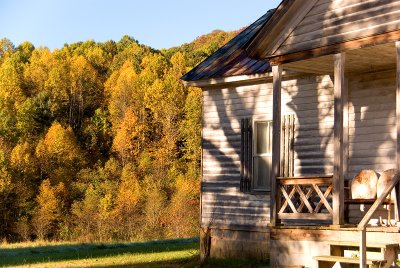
8	204
25	50
86	215
190	126
34	115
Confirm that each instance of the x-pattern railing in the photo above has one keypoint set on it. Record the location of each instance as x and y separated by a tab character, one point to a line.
307	198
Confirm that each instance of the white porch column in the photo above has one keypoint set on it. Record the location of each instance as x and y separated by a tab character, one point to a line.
340	95
398	103
276	140
397	200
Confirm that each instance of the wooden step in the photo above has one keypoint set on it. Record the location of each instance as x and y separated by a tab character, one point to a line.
347	260
357	244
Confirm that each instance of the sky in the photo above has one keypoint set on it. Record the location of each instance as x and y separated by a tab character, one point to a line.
157	23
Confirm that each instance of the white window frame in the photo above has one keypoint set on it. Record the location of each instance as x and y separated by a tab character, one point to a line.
263	155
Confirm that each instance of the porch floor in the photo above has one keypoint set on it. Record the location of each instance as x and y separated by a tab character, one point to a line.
297	245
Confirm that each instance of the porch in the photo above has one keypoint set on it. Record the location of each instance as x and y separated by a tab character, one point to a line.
310	206
342	67
295	246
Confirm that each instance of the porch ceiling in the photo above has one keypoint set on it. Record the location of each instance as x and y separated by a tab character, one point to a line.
370	59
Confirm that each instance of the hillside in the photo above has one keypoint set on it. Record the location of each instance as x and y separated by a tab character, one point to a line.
100	141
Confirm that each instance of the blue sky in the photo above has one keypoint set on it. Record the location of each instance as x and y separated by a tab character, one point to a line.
157	23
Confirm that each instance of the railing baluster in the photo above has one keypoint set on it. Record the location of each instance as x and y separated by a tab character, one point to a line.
300	192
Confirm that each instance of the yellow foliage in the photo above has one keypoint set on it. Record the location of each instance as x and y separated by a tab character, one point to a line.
23	159
58	154
183	208
154	67
5	180
84	81
178	64
97	57
121	90
106	205
48	210
59	144
37	72
129	138
11	82
129	191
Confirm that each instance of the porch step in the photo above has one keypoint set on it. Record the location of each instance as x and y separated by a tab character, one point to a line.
357	244
340	259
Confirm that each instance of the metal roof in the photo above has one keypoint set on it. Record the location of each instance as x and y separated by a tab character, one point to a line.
232	59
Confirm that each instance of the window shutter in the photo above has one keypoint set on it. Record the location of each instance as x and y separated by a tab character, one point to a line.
287	143
246	154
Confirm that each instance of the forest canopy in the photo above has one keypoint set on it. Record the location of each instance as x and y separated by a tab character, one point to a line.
100	141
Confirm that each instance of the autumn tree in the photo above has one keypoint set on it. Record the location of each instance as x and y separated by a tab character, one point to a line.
6	49
86	215
122	92
97	135
100	141
25	174
8	204
190	126
34	115
85	92
48	212
37	72
59	155
129	140
11	80
127	210
183	214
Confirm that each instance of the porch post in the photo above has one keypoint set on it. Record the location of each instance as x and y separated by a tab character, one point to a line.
398	103
340	93
397	197
276	138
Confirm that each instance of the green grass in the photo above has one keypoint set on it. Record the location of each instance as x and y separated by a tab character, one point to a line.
167	253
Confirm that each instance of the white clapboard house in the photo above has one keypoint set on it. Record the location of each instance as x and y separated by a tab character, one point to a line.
294	107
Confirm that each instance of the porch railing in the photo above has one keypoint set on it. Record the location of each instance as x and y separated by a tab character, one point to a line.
305	198
363	223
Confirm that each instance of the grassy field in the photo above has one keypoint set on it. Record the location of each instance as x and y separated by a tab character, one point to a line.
169	253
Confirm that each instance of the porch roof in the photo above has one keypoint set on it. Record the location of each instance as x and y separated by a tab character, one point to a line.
363	60
304	29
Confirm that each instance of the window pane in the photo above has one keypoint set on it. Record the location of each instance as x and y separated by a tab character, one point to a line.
262	169
262	137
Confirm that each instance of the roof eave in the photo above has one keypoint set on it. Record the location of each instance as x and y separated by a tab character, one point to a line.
239	79
270	37
211	82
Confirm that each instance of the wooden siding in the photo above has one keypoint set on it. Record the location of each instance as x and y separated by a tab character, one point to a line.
372	122
222	202
310	99
336	21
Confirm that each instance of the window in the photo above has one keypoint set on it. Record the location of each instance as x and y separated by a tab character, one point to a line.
256	153
262	155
